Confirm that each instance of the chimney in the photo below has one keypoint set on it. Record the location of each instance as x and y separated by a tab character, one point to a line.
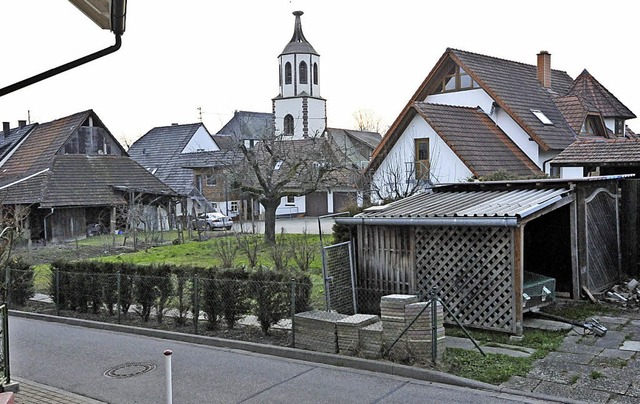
22	124
6	128
544	69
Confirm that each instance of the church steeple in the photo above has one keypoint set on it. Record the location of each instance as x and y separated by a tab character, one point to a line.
298	43
299	110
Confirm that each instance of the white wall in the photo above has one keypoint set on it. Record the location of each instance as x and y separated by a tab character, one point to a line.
316	110
201	141
445	165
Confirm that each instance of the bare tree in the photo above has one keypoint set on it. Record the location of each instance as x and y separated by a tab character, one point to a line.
367	120
400	179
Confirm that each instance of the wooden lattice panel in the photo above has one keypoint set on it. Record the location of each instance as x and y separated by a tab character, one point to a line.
472	269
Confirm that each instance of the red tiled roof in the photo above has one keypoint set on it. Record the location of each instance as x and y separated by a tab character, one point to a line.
601	152
591	90
477	140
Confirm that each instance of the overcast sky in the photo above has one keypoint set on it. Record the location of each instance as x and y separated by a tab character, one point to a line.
178	56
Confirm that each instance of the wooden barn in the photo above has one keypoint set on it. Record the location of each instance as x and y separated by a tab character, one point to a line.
492	250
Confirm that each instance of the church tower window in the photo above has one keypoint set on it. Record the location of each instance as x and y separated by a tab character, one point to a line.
288	125
315	73
287	73
303	73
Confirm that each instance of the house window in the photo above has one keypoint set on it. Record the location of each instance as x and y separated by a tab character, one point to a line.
315	73
619	126
303	73
288	125
422	159
199	182
592	126
211	180
554	172
287	73
541	116
456	79
234	206
291	200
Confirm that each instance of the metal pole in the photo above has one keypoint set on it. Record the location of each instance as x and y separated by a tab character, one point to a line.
293	313
434	325
119	302
168	390
196	303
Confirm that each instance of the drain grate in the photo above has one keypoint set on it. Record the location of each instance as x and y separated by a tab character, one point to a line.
127	370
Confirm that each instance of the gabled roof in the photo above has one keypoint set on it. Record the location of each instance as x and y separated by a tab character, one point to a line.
15	135
248	125
371	139
591	90
516	89
601	152
158	151
37	150
482	146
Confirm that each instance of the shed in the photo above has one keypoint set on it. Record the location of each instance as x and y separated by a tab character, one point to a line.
475	241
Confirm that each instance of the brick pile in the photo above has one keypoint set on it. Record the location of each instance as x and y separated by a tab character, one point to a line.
348	332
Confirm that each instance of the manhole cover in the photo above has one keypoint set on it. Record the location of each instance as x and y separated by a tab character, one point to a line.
129	370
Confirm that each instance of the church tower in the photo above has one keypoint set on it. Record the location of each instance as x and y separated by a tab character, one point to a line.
299	110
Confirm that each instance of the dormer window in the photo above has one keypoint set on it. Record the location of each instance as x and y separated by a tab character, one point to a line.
541	116
303	73
620	127
456	79
287	73
593	126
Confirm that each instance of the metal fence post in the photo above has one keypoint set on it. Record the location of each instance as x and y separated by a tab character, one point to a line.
119	302
5	343
293	313
196	303
434	325
57	285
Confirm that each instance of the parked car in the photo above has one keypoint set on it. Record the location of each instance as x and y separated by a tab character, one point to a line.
212	221
96	229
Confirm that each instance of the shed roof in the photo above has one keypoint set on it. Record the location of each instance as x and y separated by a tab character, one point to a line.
601	152
464	208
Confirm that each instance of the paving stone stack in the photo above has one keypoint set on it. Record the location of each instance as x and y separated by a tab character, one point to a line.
316	330
393	323
348	332
371	341
419	335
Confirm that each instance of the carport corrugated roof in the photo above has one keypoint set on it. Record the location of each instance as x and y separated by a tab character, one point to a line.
463	208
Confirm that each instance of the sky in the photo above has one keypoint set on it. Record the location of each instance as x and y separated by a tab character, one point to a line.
200	60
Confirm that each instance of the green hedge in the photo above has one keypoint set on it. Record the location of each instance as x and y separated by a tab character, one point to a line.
221	294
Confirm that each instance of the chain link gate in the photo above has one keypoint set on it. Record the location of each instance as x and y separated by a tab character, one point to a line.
339	278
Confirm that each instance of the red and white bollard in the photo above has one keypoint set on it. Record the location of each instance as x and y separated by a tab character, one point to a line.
168	390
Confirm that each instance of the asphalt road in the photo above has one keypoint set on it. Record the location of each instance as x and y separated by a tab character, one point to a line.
75	359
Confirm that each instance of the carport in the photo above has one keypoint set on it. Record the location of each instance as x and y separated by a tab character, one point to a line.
480	243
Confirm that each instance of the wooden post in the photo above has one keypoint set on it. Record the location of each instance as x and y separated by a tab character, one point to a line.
517	239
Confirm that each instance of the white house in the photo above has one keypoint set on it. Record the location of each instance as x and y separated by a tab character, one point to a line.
475	115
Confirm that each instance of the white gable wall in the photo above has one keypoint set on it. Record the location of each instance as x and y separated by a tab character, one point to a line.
446	167
200	141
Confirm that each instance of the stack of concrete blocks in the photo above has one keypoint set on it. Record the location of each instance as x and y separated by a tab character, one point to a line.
316	330
392	308
419	334
348	330
371	341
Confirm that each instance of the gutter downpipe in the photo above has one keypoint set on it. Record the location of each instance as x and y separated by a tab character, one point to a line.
62	68
45	225
431	221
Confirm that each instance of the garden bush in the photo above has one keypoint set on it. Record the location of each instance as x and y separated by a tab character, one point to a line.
21	288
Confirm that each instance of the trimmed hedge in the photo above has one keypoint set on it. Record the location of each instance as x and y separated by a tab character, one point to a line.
221	294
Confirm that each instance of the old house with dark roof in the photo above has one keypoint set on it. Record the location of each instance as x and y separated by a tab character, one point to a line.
160	151
474	115
71	172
